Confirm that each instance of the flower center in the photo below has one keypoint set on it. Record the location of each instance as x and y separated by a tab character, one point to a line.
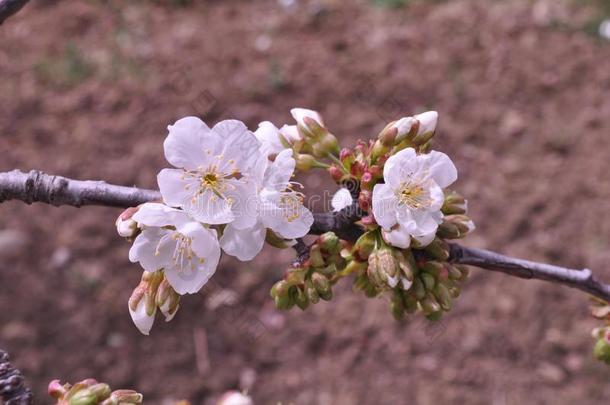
291	202
210	180
414	196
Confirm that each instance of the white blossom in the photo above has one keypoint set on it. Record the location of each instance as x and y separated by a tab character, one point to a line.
427	122
341	199
408	204
213	166
279	207
171	240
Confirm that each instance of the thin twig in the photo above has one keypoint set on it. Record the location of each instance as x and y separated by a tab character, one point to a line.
579	279
36	186
12	387
10	7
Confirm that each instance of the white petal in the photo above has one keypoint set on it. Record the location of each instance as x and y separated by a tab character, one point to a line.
209	208
165	311
188	138
190	278
141	319
403	125
175	189
400	167
245	202
279	173
341	199
296	227
426	222
300	113
398	237
239	145
425	239
268	135
244	244
441	168
149	252
384	205
427	122
290	133
158	215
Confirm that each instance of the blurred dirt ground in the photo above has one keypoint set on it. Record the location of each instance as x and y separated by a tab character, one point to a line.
88	87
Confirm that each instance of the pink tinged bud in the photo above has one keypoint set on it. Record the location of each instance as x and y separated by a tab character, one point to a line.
367	181
346	156
125	397
335	173
56	389
235	398
365	199
125	225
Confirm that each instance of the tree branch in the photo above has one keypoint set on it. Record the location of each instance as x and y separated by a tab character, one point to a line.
36	186
579	279
12	388
10	7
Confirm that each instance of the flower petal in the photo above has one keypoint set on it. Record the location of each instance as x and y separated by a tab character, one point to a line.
268	135
400	167
141	318
239	145
245	202
398	237
425	239
279	173
384	205
209	208
185	144
175	188
149	251
296	227
341	199
244	244
425	221
191	278
441	168
156	214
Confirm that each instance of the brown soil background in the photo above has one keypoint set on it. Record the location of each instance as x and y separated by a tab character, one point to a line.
88	87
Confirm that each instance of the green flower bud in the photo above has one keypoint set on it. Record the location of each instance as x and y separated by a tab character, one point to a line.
455	226
322	286
365	245
101	391
383	268
443	296
428	280
301	299
430	304
438	249
601	350
315	256
330	243
124	397
83	397
397	306
454	204
304	161
418	288
312	294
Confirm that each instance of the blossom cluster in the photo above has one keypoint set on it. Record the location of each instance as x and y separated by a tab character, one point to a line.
228	189
231	190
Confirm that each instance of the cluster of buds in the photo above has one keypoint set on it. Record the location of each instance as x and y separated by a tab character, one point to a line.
419	278
601	350
154	292
311	278
91	392
317	140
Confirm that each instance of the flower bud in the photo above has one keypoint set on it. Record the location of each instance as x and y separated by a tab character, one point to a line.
405	129
167	300
304	162
364	246
101	391
330	243
443	296
379	149
454	204
142	306
56	389
365	200
430	304
124	397
426	127
301	299
428	280
335	173
397	306
327	145
601	351
383	268
83	397
438	249
315	256
455	226
309	122
125	225
235	398
312	294
418	288
322	286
